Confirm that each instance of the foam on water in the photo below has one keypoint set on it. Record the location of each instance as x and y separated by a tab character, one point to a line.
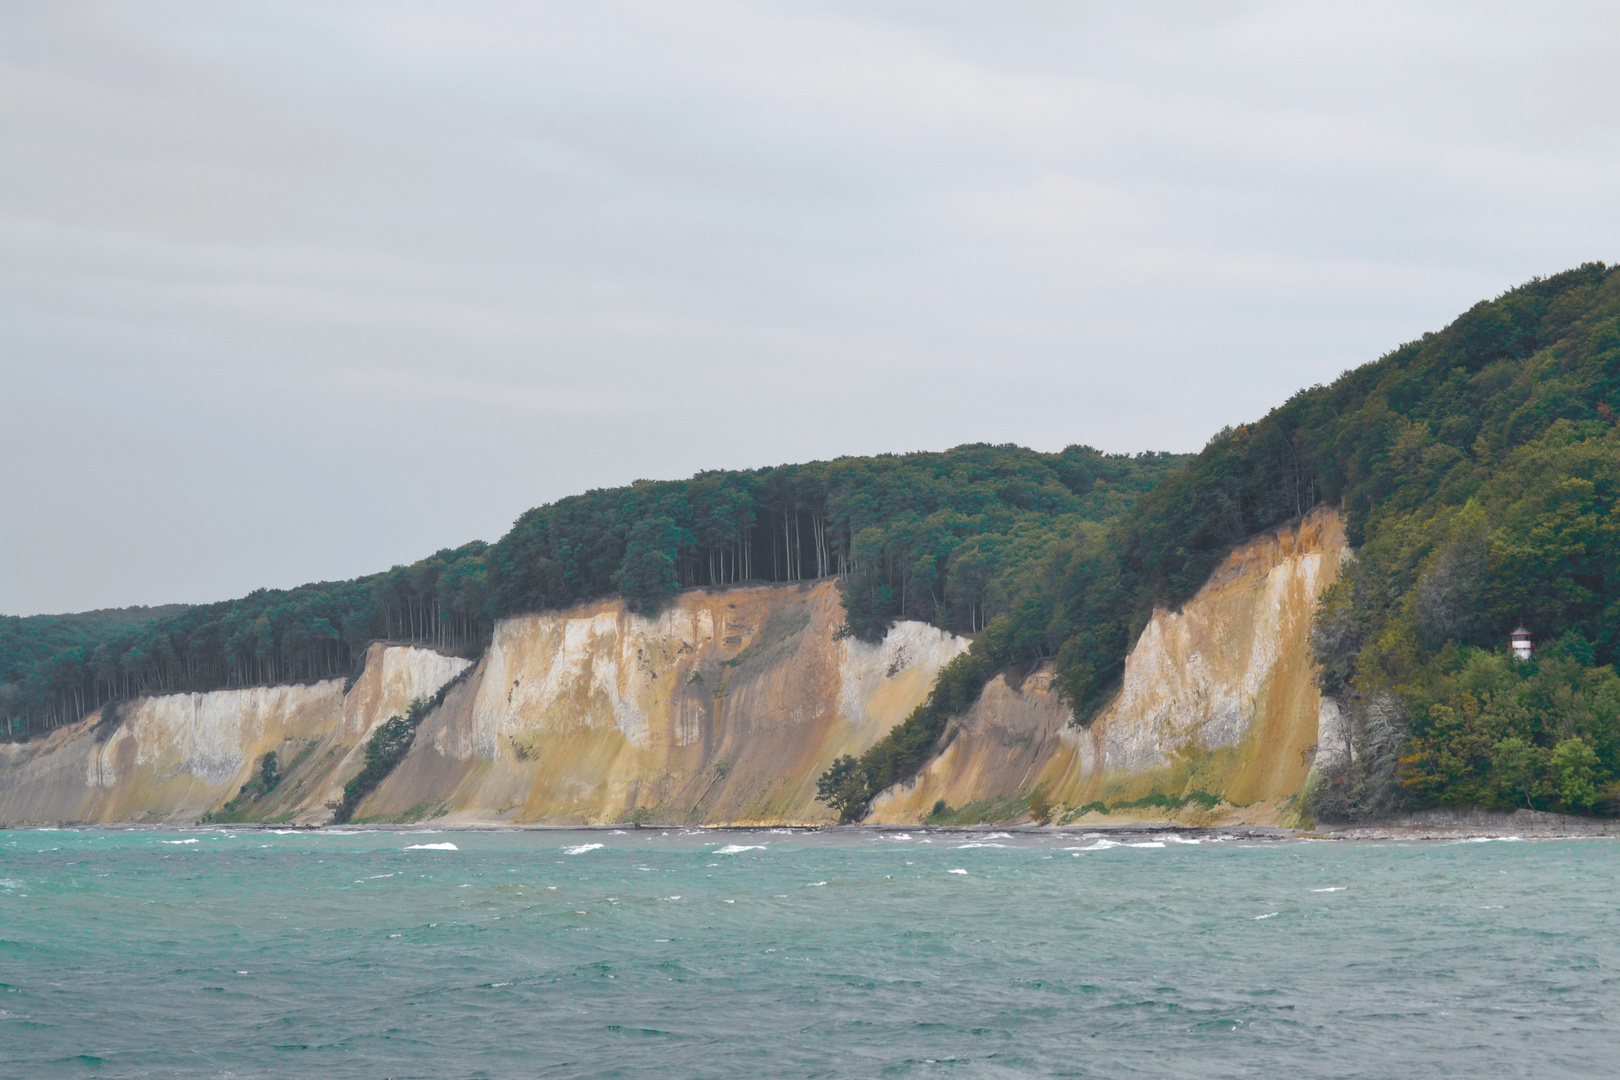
737	849
431	847
580	849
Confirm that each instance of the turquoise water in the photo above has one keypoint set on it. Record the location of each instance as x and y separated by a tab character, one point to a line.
670	954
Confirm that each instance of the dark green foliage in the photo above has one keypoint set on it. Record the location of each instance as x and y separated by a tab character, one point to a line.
261	784
646	575
849	785
1481	468
952	538
1157	800
55	669
386	748
389	744
844	788
942	537
1419	431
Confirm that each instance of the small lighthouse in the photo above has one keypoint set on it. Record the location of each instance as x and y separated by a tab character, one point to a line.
1521	643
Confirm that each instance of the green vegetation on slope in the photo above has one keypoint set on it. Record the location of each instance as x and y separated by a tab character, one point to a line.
1477	471
386	748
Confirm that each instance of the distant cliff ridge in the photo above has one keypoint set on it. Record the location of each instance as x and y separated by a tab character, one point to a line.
725	708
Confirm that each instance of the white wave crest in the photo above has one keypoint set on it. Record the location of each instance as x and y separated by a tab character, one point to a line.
431	847
957	871
959	847
1270	915
581	849
1330	888
735	849
193	840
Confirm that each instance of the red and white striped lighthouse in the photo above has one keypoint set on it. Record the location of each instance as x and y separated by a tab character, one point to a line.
1522	647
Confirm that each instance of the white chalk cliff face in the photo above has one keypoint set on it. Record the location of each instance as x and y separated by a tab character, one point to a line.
1218	698
726	707
178	757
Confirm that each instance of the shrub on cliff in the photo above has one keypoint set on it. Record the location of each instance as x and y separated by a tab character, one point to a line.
386	748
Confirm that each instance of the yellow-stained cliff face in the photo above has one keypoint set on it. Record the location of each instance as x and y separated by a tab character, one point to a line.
724	708
1219	698
172	759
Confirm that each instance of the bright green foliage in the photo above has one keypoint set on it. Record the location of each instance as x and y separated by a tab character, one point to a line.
1492	731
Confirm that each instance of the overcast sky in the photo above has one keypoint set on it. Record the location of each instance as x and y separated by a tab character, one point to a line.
293	292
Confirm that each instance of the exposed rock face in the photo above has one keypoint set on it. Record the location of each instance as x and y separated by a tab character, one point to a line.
724	708
1219	698
174	758
996	753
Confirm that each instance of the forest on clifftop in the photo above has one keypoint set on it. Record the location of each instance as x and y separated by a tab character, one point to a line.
945	537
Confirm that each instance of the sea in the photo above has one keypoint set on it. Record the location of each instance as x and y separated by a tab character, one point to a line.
787	953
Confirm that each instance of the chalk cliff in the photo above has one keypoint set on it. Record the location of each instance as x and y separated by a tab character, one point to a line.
726	707
1218	699
175	758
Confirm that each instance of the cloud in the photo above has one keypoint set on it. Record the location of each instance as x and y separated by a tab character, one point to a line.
295	291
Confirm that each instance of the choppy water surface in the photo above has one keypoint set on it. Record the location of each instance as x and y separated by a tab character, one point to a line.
372	954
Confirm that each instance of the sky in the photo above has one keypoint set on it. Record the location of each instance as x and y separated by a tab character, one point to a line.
300	291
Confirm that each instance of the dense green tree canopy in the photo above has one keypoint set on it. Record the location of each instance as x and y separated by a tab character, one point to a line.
947	537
